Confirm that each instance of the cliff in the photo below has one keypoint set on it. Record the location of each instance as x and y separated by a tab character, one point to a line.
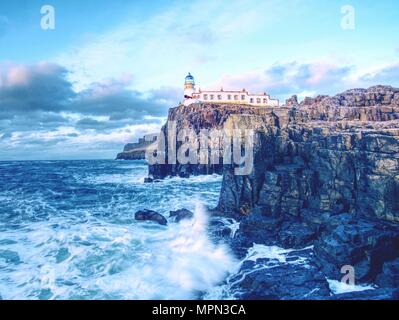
326	174
137	150
202	116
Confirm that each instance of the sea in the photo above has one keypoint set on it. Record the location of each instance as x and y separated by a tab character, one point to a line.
67	231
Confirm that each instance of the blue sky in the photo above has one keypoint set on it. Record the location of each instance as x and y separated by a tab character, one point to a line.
111	69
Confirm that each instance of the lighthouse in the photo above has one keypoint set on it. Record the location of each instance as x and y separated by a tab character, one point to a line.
189	90
189	87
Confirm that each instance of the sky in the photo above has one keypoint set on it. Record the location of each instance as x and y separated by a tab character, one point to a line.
109	70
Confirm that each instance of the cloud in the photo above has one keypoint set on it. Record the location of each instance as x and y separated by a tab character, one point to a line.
43	91
40	112
282	80
166	94
70	142
285	79
385	75
116	100
39	87
190	34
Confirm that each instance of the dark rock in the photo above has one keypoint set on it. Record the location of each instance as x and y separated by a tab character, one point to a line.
181	214
376	294
320	158
151	180
263	228
183	174
131	155
259	229
389	277
361	243
149	215
286	282
221	229
326	172
295	235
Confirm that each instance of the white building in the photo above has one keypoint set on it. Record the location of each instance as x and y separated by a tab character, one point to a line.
225	96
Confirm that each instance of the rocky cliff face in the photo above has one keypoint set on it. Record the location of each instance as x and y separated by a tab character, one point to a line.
137	150
326	173
328	154
203	116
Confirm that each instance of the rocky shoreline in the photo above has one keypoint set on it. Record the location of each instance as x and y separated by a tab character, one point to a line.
326	177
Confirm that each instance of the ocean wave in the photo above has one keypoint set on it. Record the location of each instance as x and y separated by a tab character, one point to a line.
98	260
116	178
68	232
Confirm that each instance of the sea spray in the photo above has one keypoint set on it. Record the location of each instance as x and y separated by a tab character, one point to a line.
198	263
181	262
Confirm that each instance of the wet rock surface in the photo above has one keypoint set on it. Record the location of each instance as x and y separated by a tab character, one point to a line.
278	274
285	282
149	215
182	214
374	294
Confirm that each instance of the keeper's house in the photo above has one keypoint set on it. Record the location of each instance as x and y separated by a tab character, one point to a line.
223	96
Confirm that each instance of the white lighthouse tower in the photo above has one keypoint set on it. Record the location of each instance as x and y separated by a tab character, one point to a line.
189	89
189	86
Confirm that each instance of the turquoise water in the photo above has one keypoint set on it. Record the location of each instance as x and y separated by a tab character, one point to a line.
67	231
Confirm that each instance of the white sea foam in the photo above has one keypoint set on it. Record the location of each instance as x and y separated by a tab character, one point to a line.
260	251
103	260
137	177
125	178
194	179
338	287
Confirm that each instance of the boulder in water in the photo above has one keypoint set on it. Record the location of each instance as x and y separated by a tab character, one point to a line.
150	215
181	214
148	180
